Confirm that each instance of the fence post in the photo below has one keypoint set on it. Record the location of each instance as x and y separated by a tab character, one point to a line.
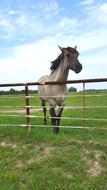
84	104
27	107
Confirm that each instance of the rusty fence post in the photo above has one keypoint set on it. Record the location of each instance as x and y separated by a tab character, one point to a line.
84	104
27	107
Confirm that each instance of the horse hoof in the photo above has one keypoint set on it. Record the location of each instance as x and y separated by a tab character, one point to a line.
56	130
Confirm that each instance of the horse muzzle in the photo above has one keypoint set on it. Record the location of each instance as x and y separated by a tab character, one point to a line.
78	68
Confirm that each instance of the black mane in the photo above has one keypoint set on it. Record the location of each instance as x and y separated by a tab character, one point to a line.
55	64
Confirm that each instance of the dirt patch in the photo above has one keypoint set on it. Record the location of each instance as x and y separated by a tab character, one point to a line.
95	166
68	175
48	150
19	164
31	161
94	163
43	154
93	142
11	145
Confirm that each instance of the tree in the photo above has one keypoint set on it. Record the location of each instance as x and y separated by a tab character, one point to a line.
72	89
12	91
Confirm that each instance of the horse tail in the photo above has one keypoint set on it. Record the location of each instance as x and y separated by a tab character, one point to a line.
44	110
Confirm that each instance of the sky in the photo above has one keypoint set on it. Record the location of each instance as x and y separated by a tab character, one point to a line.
31	30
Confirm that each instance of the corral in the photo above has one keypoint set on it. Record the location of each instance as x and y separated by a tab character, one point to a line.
82	105
76	159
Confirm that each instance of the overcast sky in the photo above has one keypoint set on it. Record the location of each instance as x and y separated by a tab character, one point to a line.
31	30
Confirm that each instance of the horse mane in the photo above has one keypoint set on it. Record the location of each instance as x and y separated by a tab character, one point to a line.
55	64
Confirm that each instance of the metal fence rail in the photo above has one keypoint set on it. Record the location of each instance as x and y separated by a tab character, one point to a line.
27	108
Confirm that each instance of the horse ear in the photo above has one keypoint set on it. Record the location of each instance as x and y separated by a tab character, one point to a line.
60	48
75	47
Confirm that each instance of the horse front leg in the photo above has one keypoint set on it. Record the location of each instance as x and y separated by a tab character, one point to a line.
44	110
53	119
60	110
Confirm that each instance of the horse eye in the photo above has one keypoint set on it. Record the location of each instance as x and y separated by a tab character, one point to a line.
68	55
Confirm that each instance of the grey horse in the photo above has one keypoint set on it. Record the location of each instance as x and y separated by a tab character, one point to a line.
56	94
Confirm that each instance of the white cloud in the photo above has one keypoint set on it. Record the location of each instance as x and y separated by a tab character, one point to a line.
68	22
87	2
100	13
29	61
104	8
92	40
86	42
97	13
21	21
6	25
33	60
48	7
12	12
39	20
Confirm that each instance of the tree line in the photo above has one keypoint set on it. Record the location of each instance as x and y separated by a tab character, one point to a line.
71	89
15	92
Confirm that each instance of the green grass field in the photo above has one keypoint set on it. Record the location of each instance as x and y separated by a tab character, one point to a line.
18	104
75	159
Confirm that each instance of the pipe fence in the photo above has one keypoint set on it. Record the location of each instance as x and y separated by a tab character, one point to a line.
28	107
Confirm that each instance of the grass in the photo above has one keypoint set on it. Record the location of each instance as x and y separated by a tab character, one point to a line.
75	159
39	160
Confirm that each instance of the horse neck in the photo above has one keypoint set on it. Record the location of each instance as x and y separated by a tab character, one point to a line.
61	73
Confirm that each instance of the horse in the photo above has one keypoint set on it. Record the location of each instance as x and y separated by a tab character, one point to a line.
55	95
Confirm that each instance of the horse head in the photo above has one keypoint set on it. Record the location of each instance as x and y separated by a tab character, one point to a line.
71	58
